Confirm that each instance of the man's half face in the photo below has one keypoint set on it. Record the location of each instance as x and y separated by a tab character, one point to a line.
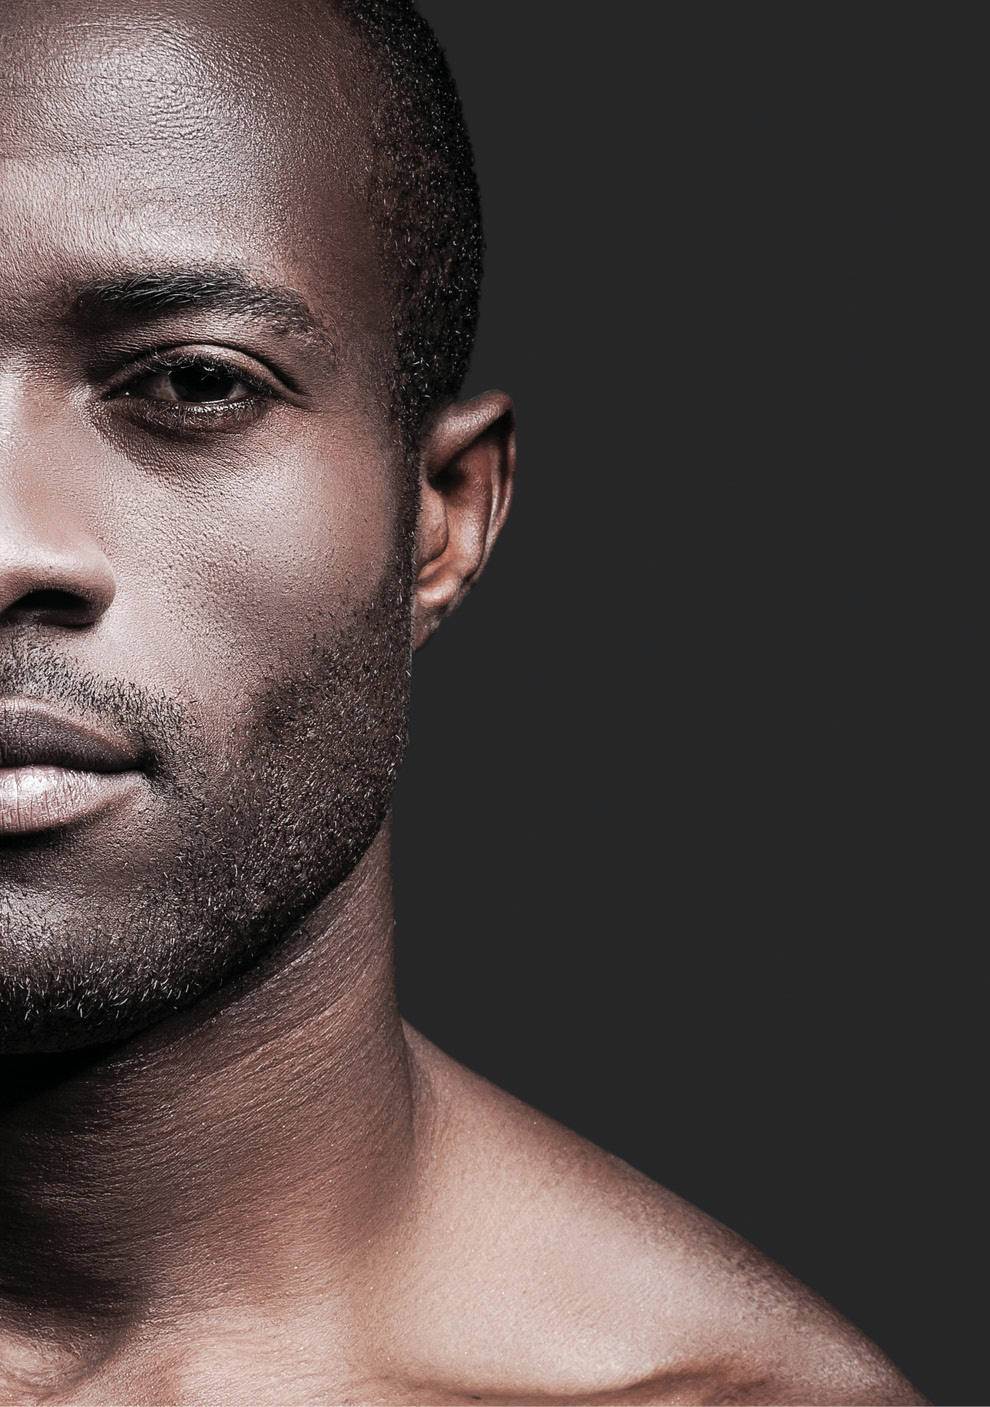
203	545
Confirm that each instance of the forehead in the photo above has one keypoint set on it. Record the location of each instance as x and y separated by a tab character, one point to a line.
194	134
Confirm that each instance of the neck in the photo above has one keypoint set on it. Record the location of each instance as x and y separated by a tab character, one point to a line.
230	1155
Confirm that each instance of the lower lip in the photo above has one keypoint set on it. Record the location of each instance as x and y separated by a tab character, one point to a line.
44	798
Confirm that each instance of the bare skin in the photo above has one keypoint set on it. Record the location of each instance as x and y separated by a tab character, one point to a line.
345	1215
281	1194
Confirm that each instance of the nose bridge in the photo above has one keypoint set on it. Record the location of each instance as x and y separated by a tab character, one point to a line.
47	538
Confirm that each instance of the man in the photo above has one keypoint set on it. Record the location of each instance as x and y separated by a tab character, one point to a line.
238	274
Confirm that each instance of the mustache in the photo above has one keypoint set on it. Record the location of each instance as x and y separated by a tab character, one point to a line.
162	726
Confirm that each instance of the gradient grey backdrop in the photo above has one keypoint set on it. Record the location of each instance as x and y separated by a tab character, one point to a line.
689	835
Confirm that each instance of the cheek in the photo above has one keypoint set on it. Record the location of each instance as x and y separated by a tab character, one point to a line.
238	576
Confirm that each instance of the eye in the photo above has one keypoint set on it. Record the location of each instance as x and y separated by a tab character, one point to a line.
182	390
196	383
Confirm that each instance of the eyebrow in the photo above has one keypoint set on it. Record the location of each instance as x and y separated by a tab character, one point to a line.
157	293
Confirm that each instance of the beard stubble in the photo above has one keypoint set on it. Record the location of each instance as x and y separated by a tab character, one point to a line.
256	836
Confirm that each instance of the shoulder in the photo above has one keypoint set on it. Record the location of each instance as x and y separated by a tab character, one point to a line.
544	1265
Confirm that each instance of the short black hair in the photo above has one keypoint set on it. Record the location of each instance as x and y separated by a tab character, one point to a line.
425	205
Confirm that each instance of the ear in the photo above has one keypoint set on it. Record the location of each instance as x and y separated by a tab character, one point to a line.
467	464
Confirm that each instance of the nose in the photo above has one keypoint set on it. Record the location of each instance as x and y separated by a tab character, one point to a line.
52	571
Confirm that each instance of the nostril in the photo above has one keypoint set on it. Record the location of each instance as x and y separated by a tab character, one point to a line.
50	607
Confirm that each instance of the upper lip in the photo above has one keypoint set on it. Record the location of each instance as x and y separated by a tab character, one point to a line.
34	734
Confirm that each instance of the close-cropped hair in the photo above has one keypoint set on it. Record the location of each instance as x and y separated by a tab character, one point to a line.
425	204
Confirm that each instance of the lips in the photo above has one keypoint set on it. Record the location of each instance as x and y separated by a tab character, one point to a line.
55	771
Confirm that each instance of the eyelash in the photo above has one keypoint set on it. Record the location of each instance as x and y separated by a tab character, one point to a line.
188	416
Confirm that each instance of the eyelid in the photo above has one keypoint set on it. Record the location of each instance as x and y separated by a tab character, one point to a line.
259	375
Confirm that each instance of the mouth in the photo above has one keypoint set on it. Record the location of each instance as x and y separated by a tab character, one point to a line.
55	771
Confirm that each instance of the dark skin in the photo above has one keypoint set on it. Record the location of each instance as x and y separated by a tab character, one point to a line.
280	1194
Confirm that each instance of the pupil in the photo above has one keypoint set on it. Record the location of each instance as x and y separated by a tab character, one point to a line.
202	383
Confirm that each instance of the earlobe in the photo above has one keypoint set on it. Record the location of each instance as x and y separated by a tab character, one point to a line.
467	465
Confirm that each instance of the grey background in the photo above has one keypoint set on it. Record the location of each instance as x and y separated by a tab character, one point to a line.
690	836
